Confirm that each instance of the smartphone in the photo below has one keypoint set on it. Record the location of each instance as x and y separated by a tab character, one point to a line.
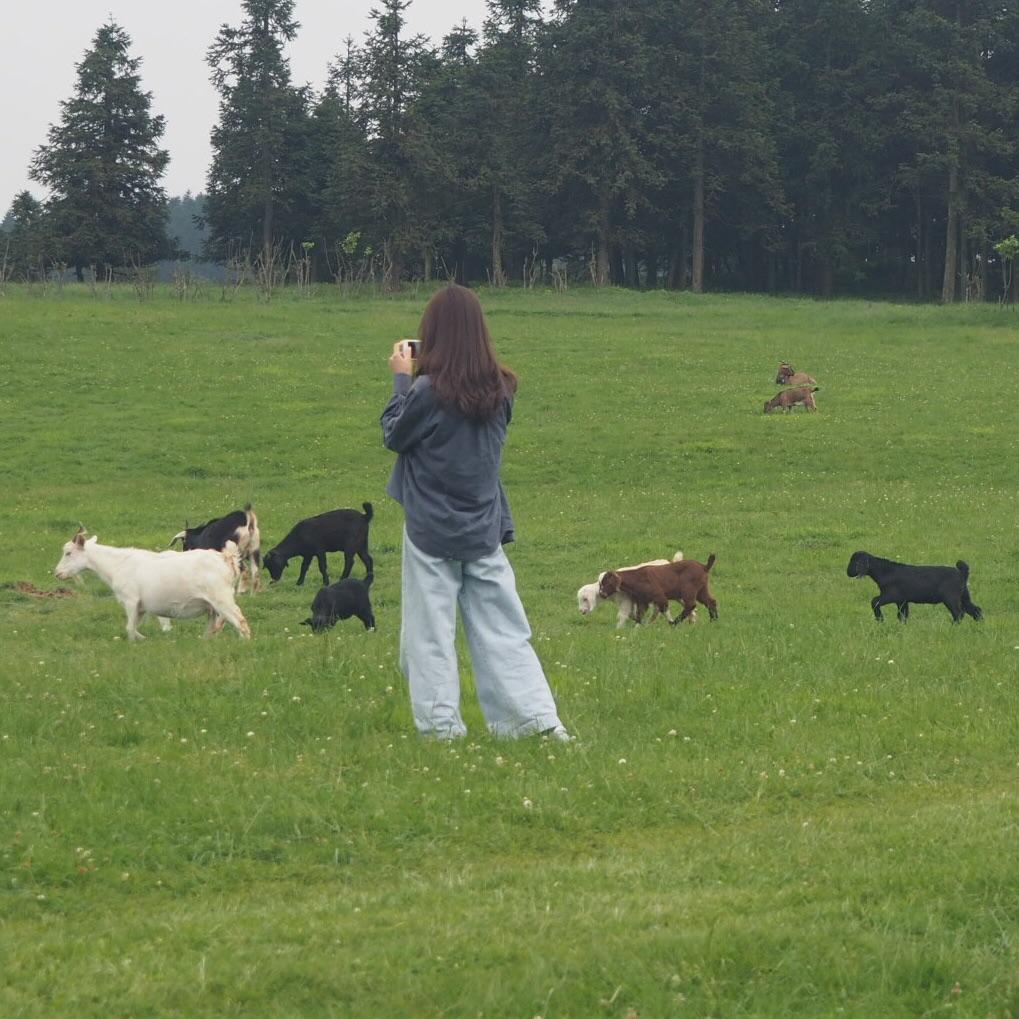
412	347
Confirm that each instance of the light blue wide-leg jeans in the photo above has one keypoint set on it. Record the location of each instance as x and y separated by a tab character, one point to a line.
512	689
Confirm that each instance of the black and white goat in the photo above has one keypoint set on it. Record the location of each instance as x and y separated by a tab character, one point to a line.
899	584
342	530
240	527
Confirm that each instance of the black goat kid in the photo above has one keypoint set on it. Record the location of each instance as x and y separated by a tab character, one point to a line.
899	584
342	530
341	600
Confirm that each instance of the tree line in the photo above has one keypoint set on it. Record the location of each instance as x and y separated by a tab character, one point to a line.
790	146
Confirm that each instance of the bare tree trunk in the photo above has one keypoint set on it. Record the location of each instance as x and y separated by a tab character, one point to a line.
651	270
963	258
919	245
948	287
428	264
602	256
697	253
826	279
498	275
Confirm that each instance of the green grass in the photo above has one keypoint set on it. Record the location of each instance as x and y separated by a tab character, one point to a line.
792	812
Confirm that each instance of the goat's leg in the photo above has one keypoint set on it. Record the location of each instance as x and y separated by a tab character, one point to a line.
875	604
903	611
969	608
369	563
229	612
688	607
348	564
134	615
625	607
164	624
955	607
323	568
707	600
305	563
216	623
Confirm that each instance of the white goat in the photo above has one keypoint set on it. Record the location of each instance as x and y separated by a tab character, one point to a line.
167	585
588	598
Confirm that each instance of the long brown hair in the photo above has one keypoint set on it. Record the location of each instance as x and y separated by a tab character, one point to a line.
458	356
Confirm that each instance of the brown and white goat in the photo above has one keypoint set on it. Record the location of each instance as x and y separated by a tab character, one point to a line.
685	581
788	399
789	376
588	598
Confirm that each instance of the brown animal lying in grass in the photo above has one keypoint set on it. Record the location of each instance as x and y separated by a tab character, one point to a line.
789	376
788	398
685	581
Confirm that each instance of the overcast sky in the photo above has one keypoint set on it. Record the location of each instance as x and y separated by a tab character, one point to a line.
42	41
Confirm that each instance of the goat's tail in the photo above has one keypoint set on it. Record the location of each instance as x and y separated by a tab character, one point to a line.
232	557
963	568
710	562
815	389
678	557
251	520
368	511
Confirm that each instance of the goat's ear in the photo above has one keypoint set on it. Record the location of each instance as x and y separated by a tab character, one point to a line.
79	538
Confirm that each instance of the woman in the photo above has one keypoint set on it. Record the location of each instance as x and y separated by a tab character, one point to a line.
447	421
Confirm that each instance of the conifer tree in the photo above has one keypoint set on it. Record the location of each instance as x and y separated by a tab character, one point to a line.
394	69
103	165
260	140
23	239
598	77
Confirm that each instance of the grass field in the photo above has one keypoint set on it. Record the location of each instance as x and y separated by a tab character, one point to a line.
794	811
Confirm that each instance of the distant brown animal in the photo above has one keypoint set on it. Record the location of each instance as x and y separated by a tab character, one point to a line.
789	376
685	581
788	398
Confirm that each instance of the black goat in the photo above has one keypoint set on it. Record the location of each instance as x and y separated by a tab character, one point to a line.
341	600
342	530
899	584
240	526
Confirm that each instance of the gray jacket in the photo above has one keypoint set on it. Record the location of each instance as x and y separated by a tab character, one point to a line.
447	473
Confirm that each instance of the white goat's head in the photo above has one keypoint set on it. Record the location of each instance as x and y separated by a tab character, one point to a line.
74	560
587	598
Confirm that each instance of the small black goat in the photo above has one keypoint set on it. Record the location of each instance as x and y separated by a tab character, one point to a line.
342	530
240	526
341	600
899	584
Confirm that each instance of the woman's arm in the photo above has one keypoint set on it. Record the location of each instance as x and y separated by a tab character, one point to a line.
407	418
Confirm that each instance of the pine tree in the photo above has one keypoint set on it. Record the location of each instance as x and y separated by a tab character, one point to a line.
597	79
103	165
260	140
711	84
829	141
509	171
948	118
23	241
394	70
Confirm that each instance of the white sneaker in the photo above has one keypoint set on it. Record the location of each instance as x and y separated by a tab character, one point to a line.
558	733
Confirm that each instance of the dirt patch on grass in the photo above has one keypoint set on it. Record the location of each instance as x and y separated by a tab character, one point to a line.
24	587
